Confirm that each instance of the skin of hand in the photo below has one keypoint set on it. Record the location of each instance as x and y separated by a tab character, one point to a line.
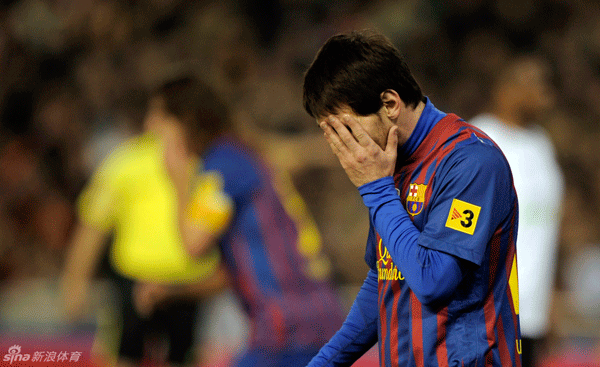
363	160
74	298
146	296
84	254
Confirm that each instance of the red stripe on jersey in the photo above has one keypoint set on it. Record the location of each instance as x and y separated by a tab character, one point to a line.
437	133
489	309
394	324
417	329
440	344
382	288
448	129
272	236
247	280
489	313
489	359
505	359
494	256
278	323
403	190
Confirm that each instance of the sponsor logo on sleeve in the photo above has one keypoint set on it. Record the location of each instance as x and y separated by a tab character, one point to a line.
463	216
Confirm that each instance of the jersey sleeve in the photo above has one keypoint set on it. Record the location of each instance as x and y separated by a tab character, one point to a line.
96	204
474	193
210	207
238	171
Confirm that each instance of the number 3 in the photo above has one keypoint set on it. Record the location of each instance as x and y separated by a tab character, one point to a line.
469	219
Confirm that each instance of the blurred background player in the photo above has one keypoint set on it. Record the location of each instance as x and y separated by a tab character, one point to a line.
133	198
520	97
271	246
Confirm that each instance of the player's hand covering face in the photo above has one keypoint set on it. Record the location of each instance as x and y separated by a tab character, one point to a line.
361	157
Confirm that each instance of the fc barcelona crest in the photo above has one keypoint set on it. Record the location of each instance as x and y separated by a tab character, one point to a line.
415	198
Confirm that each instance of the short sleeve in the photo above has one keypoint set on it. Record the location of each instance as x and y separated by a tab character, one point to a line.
96	203
473	195
238	170
209	206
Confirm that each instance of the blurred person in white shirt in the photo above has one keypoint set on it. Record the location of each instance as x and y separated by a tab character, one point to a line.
520	97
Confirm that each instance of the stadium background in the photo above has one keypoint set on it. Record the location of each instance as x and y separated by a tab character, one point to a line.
72	76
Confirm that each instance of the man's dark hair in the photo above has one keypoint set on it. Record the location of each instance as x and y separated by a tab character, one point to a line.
197	104
354	69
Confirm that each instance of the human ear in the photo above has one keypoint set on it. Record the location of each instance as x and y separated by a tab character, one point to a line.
392	103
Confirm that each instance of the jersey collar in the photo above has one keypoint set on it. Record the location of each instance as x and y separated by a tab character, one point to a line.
429	117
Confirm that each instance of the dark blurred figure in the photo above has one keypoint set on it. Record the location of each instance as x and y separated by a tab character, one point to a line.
270	245
520	98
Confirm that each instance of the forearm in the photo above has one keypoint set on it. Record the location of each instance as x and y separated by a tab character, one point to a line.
358	333
84	252
146	296
204	288
196	238
432	275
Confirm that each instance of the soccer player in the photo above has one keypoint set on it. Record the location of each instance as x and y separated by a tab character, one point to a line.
442	286
271	247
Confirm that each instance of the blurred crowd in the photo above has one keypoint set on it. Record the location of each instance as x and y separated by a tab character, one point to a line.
74	78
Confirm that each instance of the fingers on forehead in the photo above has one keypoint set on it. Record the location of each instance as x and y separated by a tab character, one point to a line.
351	121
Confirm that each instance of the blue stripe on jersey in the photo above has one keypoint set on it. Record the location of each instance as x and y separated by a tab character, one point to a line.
255	238
404	343
431	170
384	341
414	174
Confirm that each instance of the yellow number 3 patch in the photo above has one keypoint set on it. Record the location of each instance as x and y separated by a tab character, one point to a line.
463	216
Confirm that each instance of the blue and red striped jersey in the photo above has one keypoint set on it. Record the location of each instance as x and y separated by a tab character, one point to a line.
272	249
457	188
